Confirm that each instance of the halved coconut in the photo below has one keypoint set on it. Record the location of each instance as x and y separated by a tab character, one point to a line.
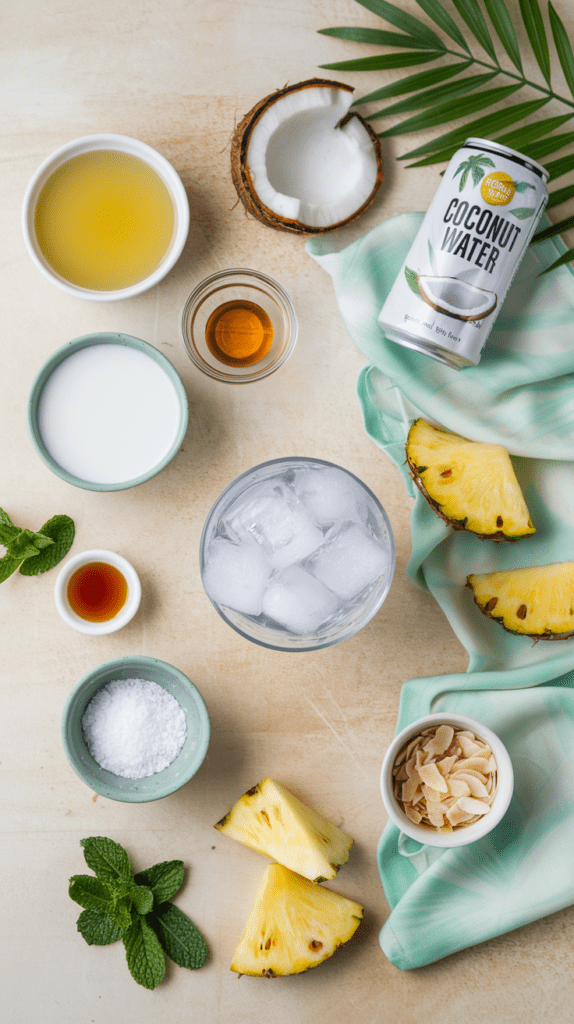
302	162
456	298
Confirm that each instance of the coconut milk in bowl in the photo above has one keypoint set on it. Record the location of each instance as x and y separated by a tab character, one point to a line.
107	412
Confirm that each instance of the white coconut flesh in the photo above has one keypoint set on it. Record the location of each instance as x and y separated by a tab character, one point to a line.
456	297
304	166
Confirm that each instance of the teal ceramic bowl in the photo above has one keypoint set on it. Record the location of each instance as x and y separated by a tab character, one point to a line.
163	783
82	415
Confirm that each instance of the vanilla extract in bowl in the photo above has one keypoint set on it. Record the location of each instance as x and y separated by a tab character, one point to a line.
239	333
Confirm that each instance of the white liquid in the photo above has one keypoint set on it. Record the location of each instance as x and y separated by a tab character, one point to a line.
108	414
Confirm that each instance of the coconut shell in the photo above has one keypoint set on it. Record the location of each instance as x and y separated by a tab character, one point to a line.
242	179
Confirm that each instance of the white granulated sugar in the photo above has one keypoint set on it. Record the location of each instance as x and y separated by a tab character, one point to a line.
134	728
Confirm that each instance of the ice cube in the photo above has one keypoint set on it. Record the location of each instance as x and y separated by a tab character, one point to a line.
350	562
276	519
329	494
236	575
296	600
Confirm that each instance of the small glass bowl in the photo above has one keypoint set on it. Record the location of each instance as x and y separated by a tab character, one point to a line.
246	285
353	615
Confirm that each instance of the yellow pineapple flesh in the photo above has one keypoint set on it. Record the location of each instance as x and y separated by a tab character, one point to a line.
537	601
471	485
269	819
294	924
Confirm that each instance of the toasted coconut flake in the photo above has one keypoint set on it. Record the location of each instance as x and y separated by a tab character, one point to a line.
430	774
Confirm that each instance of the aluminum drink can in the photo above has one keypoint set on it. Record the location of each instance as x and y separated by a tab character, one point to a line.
468	248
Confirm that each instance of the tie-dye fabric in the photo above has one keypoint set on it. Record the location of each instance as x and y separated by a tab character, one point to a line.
521	395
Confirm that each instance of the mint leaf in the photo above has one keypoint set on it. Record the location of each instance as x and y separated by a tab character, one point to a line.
7	529
120	911
107	859
60	530
8	565
142	899
164	879
98	928
412	281
90	892
183	943
23	545
144	954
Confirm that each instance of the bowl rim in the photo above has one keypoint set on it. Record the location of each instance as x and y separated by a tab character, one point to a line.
126	612
76	345
331	465
141	663
253	375
480	828
123	144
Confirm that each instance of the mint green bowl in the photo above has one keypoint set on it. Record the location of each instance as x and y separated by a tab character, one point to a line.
44	374
156	786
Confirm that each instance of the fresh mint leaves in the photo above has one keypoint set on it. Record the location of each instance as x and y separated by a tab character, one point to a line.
120	905
34	552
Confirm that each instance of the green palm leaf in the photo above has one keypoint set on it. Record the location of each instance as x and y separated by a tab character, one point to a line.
559	196
404	22
536	33
502	25
423	80
554	229
521	138
431	96
483	126
563	47
471	13
451	111
434	10
386	62
374	35
538	150
556	168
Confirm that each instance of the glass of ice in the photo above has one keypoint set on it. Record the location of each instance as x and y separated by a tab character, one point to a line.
297	554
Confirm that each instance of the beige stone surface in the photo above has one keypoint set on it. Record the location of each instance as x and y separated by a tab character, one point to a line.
178	74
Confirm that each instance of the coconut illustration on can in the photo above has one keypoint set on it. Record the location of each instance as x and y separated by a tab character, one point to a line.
466	253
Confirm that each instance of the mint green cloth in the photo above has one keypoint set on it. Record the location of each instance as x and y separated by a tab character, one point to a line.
520	395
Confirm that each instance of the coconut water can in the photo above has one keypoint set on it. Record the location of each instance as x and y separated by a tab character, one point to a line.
452	284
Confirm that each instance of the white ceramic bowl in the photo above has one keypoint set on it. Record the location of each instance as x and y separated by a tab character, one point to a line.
125	614
469	833
123	144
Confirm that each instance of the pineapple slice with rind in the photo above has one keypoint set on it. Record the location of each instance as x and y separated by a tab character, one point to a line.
537	601
294	924
272	821
471	485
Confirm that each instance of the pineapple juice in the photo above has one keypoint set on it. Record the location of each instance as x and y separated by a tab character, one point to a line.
459	268
104	220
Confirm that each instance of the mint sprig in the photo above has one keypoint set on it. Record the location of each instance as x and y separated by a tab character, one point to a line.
120	905
34	552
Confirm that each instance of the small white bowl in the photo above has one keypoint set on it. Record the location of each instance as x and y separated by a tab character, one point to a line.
469	833
122	144
125	614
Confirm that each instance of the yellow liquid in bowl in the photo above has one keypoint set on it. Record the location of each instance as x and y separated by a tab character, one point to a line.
104	220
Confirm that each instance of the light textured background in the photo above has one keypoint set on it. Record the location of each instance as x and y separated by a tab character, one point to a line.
178	74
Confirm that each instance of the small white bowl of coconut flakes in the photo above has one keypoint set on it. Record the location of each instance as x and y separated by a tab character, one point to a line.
135	729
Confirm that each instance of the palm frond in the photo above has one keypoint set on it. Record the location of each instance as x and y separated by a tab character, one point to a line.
439	95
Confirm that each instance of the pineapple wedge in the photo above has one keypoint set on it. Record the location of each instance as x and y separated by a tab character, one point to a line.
536	602
294	924
272	821
472	486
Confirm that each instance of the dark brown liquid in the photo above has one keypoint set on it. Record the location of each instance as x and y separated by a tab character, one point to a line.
239	333
97	591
